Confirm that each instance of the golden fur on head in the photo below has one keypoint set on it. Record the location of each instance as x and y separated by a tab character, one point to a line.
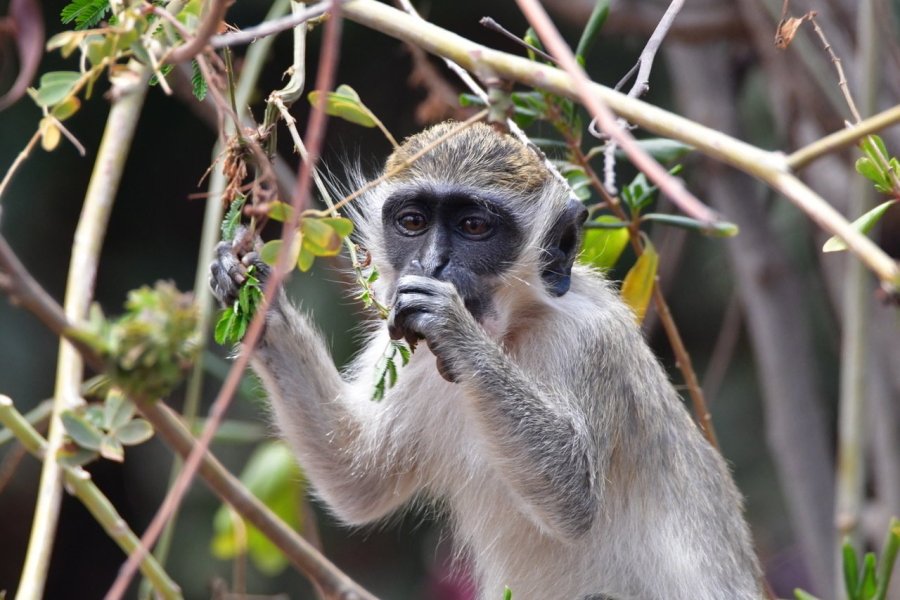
479	156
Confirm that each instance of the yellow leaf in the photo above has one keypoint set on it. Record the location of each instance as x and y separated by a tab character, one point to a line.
320	238
638	284
50	135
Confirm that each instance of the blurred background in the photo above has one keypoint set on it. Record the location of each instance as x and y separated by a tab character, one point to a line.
760	313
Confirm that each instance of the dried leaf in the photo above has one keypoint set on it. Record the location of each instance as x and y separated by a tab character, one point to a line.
788	28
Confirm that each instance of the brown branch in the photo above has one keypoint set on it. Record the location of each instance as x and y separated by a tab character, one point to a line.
215	13
32	297
608	122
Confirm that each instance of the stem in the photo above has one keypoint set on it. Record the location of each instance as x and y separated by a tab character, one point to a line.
111	156
35	416
770	167
842	138
18	162
79	482
270	27
850	475
215	12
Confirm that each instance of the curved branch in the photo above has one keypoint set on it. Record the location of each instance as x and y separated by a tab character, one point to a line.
215	13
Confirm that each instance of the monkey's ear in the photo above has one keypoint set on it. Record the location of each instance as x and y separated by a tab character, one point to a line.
561	246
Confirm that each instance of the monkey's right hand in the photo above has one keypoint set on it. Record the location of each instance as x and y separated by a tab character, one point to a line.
228	270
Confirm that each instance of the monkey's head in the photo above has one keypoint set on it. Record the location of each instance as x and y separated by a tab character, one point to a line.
478	210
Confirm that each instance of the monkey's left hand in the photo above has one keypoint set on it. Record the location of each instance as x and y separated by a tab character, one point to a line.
431	309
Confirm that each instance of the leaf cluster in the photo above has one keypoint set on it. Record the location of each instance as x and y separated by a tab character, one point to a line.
873	581
148	349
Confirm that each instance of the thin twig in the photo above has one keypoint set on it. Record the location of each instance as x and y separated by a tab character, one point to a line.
101	192
79	482
18	162
842	138
641	85
494	26
270	27
842	78
215	13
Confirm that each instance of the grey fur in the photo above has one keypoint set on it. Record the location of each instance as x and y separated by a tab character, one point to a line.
569	467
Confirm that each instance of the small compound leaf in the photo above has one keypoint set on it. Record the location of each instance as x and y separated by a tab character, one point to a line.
134	432
81	431
111	449
344	103
232	218
117	410
637	288
55	86
874	148
85	13
198	82
864	225
603	247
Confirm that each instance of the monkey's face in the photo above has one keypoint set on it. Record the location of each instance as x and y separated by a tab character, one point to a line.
462	236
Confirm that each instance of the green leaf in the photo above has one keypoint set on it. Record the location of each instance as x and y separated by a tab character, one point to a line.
280	211
55	86
664	150
67	42
717	229
232	218
637	288
867	584
801	595
66	108
198	83
873	146
851	569
225	326
592	29
507	593
81	431
100	48
466	100
889	551
863	224
603	247
111	449
163	71
305	260
345	103
135	432
343	227
85	13
271	249
872	171
273	477
319	238
117	410
403	350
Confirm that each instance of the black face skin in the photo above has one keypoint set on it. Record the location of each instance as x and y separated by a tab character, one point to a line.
453	234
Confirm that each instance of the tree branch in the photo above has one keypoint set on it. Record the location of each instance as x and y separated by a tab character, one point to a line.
771	167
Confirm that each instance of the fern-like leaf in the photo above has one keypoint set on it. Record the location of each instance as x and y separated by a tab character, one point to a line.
85	13
198	82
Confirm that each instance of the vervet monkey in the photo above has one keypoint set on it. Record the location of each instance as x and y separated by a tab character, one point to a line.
534	411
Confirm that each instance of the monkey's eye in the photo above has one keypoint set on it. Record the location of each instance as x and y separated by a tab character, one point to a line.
412	222
476	227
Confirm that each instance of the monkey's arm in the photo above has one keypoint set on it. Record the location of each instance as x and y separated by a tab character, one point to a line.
537	436
343	440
